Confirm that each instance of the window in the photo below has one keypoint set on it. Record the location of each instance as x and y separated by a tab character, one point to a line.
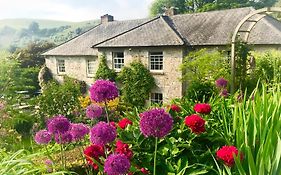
156	98
118	60
156	61
90	67
61	66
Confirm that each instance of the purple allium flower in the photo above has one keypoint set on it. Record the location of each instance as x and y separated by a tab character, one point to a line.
58	124
156	123
116	164
224	93
43	137
103	90
78	131
102	133
94	111
49	165
221	83
63	138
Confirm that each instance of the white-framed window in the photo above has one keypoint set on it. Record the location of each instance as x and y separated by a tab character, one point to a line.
156	61
156	98
61	66
90	67
118	60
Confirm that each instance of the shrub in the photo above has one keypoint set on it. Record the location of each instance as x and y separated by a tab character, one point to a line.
103	71
137	82
59	99
204	65
200	91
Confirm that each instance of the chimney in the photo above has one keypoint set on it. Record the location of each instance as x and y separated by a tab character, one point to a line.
106	18
170	11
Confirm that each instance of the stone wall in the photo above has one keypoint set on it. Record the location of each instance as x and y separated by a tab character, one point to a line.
75	67
168	81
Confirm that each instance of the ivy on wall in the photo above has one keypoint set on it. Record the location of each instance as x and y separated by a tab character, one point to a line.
137	83
104	72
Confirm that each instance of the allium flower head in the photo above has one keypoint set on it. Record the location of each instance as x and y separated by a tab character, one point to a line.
195	123
221	83
94	152
78	131
103	90
224	93
43	137
226	154
202	108
93	111
156	123
116	164
102	133
124	123
58	124
63	138
175	108
123	148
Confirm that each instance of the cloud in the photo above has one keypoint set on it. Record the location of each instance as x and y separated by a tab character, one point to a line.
74	10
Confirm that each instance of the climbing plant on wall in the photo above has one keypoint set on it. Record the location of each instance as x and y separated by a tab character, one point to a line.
137	82
104	72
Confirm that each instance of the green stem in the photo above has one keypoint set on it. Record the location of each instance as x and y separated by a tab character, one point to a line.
62	154
106	111
155	155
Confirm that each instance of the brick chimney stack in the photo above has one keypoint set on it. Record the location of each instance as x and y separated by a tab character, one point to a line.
106	18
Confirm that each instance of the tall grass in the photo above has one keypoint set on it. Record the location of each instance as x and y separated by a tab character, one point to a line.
23	163
257	132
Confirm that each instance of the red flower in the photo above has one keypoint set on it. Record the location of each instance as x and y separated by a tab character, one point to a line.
144	171
93	152
175	108
123	148
124	123
202	108
226	153
195	123
113	124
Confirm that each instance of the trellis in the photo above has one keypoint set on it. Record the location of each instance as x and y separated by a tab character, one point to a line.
261	13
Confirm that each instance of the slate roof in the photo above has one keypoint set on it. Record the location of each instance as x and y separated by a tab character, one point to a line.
81	45
198	29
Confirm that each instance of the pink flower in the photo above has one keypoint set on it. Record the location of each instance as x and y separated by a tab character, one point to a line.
123	148
195	123
124	123
226	154
175	108
202	108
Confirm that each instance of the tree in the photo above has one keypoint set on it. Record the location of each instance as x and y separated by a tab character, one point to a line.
189	6
30	56
103	71
137	82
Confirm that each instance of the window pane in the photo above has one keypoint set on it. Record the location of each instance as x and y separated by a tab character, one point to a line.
157	98
156	60
118	60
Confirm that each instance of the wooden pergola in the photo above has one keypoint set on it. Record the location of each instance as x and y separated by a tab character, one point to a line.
251	24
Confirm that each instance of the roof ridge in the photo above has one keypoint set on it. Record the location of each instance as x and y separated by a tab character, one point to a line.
214	11
71	38
174	30
122	33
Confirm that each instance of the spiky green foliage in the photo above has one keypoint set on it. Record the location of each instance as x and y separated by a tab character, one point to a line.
104	72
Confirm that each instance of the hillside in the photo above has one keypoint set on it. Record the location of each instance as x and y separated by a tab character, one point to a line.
18	32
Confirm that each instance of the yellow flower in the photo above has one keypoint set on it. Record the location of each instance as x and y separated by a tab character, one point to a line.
112	104
84	101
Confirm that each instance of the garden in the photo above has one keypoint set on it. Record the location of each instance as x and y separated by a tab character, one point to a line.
105	129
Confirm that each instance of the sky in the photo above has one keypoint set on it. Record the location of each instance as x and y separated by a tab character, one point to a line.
74	10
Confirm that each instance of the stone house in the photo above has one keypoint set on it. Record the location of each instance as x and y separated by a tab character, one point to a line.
160	43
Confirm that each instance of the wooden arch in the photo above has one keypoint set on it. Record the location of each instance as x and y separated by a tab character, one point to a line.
252	22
